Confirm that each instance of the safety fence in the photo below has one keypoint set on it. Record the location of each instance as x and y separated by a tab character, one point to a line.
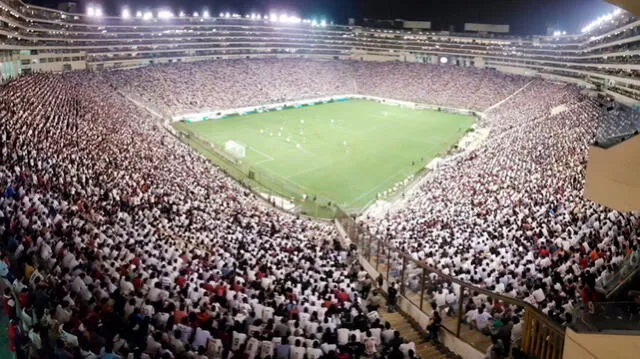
419	284
277	190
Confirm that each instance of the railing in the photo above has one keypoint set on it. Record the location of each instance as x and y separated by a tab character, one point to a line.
628	269
618	317
423	287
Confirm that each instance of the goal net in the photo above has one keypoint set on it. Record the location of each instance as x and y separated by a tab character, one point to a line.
235	149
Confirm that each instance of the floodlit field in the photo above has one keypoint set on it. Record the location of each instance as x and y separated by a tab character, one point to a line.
344	151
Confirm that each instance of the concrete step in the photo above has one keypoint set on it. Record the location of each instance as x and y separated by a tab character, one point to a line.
424	350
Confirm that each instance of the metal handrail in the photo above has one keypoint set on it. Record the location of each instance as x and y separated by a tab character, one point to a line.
541	336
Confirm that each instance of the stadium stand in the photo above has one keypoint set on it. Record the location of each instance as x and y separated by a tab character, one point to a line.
117	239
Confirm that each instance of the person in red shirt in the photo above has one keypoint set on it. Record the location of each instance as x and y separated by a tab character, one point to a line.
23	298
544	252
181	281
208	287
341	295
13	332
582	262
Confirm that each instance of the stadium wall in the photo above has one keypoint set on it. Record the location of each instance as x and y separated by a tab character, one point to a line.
612	176
133	63
600	346
212	115
51	62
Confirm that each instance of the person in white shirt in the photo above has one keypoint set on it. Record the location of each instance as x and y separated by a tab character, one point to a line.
314	352
252	347
201	338
343	336
387	333
266	348
297	351
237	340
482	320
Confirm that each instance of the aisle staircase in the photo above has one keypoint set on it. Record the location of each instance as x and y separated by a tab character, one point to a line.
412	333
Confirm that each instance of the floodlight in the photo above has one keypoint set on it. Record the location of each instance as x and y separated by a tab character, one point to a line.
91	11
323	23
182	14
195	14
227	15
165	14
205	14
138	14
444	60
98	12
148	15
126	14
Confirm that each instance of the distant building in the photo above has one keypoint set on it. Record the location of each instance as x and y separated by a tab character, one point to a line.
486	28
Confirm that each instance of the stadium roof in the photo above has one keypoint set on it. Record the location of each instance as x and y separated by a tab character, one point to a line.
632	6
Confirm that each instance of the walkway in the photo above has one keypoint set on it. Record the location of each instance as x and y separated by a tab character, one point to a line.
424	350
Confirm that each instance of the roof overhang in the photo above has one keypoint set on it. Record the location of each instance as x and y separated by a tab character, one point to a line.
632	6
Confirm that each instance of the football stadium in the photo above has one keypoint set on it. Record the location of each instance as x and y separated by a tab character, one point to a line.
226	181
331	152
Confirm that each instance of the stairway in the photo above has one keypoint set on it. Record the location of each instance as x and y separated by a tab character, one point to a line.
425	350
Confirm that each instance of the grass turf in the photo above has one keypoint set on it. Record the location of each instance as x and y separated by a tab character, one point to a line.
349	151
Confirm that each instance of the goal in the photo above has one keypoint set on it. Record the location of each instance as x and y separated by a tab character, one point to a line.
235	149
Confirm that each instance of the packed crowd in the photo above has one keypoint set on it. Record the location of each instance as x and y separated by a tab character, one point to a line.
125	244
119	242
224	84
510	216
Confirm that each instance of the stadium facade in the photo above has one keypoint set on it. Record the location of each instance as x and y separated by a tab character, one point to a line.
35	38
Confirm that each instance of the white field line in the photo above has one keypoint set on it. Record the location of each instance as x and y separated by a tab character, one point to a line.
381	183
268	158
299	173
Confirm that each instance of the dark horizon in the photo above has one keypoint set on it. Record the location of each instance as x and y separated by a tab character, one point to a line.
524	17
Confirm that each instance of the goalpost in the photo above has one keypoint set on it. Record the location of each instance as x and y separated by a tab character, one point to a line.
235	149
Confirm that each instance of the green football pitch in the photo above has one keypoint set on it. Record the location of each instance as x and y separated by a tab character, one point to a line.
347	152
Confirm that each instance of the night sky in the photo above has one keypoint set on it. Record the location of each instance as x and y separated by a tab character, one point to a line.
526	17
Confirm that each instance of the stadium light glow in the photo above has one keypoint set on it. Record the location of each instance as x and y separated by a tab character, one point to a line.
182	14
323	23
138	14
165	14
601	20
126	14
444	60
227	15
195	14
94	11
205	14
221	14
148	15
